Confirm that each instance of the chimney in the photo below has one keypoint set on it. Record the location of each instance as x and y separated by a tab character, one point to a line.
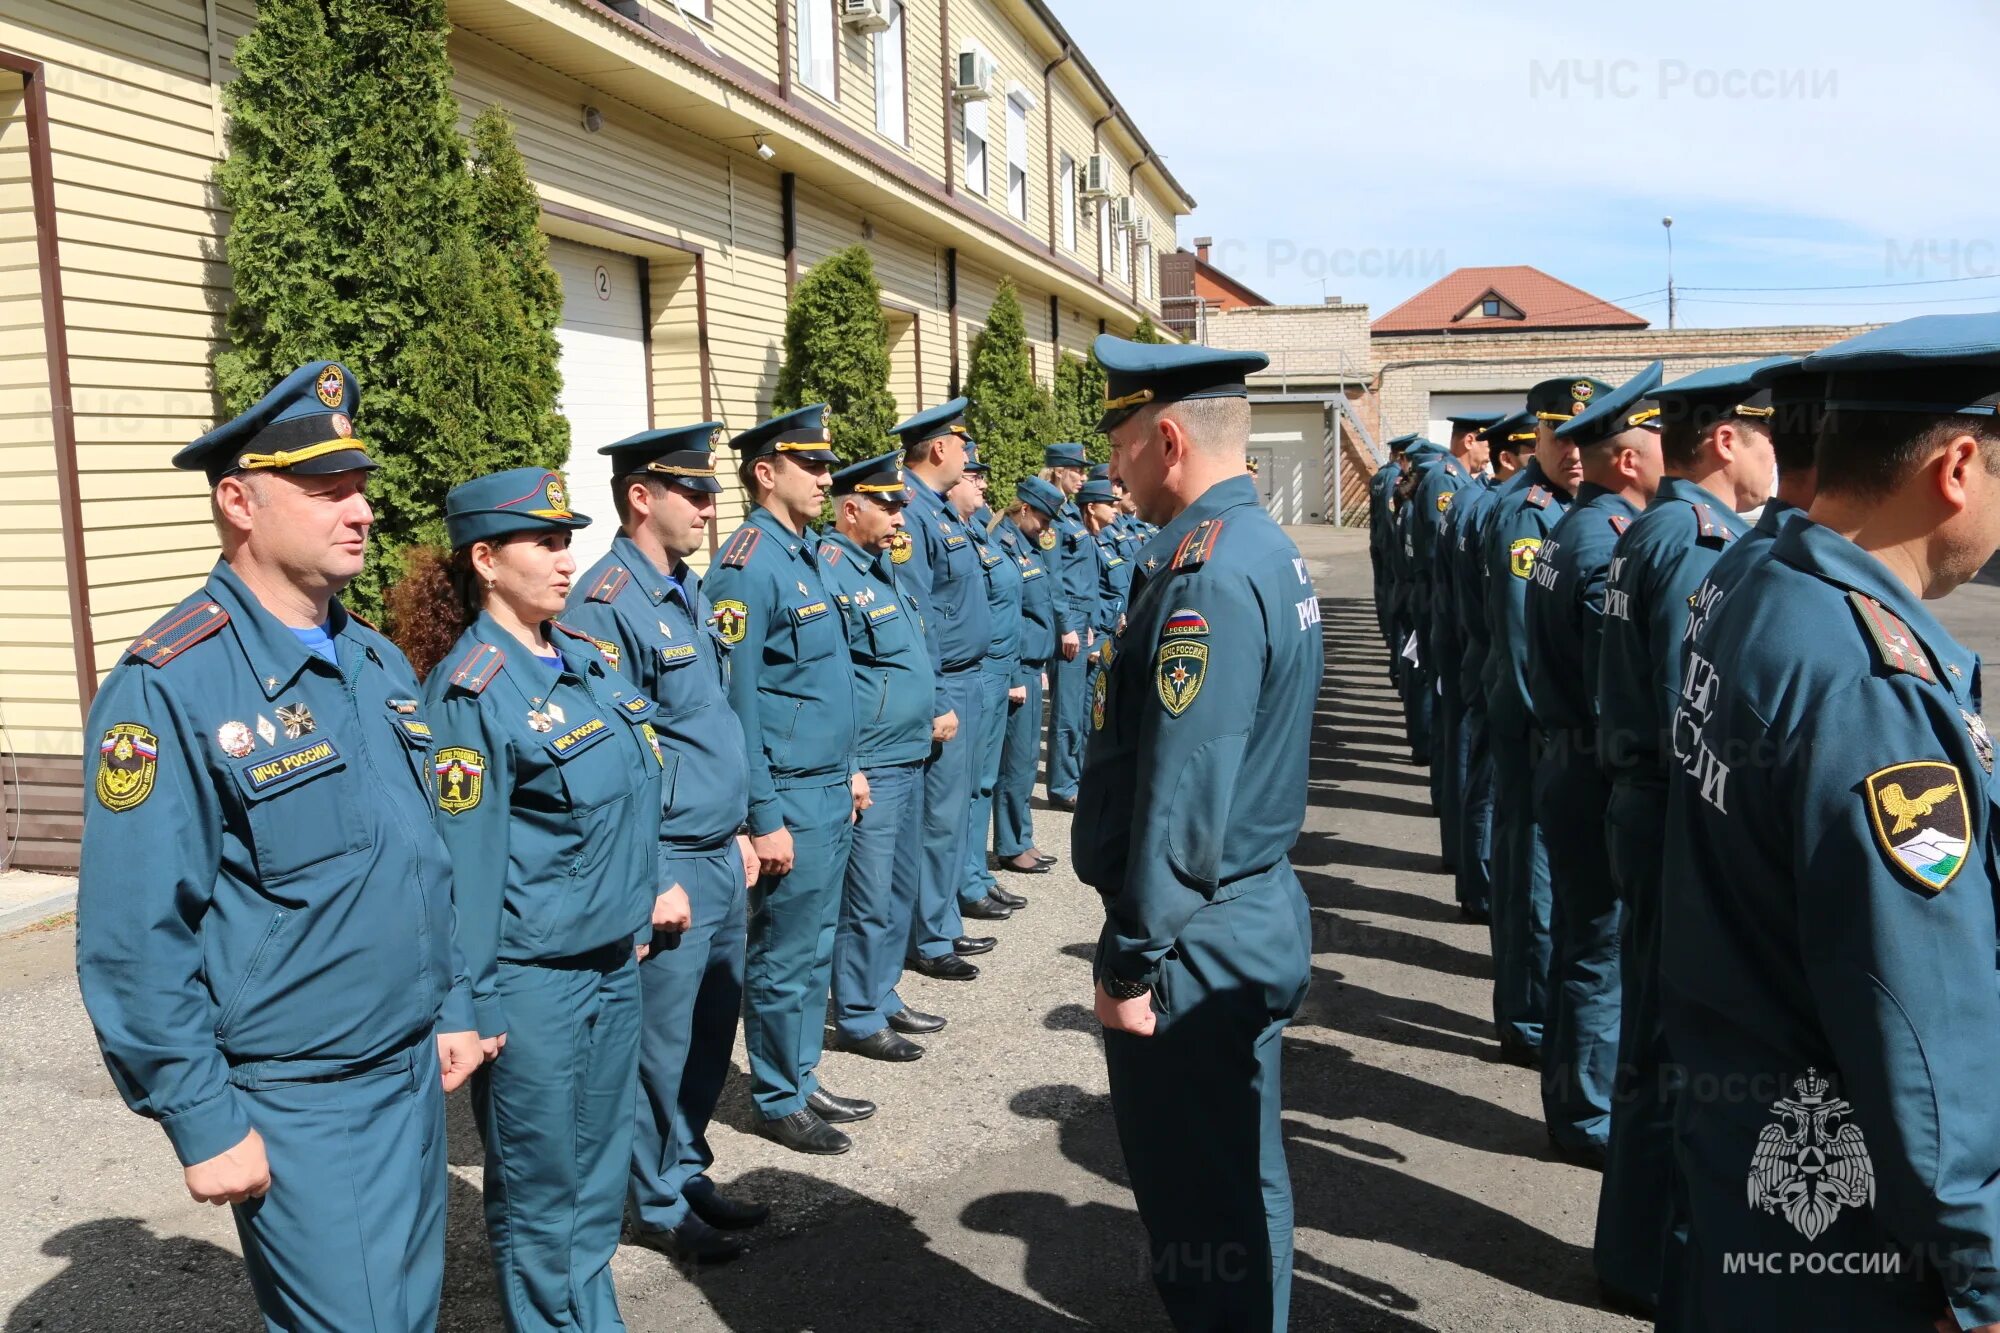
1201	244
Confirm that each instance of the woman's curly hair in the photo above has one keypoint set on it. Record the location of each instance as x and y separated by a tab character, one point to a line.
430	606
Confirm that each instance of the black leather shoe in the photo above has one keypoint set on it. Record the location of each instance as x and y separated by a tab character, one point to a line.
881	1044
1035	866
692	1242
1042	857
1522	1054
985	910
803	1131
838	1110
1064	803
1589	1156
1013	902
724	1213
948	968
965	946
1478	915
915	1023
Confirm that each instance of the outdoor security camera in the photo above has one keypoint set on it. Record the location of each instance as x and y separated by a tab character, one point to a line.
765	150
593	119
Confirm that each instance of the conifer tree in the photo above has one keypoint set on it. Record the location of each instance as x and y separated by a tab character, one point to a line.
1011	416
837	353
1079	402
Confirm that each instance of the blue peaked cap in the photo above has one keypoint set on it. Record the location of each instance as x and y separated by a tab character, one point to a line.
801	434
521	499
880	477
304	425
1140	373
683	455
1039	494
1938	365
1616	412
944	419
1096	493
1064	454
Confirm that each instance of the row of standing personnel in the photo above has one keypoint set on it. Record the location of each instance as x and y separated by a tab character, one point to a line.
1720	785
625	808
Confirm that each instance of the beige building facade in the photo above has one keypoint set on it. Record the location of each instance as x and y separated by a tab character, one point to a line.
961	141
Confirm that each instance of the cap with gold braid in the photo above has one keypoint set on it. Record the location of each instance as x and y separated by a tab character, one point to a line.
944	419
1612	413
800	434
305	425
1556	401
521	499
1140	373
681	455
878	478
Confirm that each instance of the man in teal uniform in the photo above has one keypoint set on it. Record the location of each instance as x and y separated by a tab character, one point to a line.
1013	817
1000	690
1074	559
1798	403
1192	797
943	573
894	702
1473	882
1716	446
791	685
1381	501
1519	521
1410	614
1114	582
1432	500
264	935
1619	445
1828	940
646	609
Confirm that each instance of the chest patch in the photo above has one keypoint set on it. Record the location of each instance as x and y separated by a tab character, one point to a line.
578	737
304	759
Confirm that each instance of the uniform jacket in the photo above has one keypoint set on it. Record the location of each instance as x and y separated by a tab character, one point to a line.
1114	581
659	633
1003	599
1195	776
790	677
894	683
1077	561
547	785
943	571
1038	591
1831	936
260	880
1522	516
1565	611
1658	566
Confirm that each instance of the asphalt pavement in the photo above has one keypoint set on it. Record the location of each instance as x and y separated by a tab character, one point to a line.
988	1193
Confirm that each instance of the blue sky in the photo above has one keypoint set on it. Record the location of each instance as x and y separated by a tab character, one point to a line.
1363	151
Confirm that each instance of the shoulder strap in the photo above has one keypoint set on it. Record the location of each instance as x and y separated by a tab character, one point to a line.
1898	648
1539	496
609	585
736	554
478	668
1619	523
179	630
1708	530
1198	545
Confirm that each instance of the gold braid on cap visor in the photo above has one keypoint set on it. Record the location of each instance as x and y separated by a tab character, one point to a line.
292	457
1128	400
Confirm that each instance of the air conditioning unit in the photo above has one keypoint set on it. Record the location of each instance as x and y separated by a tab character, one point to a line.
1096	177
865	15
975	77
1142	231
1123	211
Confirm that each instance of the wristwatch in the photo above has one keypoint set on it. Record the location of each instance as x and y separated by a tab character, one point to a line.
1125	990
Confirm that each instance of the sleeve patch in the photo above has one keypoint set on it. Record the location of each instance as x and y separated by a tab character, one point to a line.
1521	556
1179	668
461	778
732	621
128	758
1918	812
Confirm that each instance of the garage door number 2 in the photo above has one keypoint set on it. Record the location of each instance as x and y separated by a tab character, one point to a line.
603	283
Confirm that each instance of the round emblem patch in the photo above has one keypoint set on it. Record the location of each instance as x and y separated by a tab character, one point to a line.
342	426
127	759
558	495
1047	541
1581	391
899	547
732	621
331	387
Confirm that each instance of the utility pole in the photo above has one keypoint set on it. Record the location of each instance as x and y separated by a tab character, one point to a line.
1668	223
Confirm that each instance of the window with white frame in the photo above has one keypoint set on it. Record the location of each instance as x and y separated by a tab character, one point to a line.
818	46
1121	239
1104	236
1018	102
1066	200
973	115
1145	272
892	119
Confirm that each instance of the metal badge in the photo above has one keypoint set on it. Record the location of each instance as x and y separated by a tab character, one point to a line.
1982	739
265	731
556	712
297	720
539	720
235	739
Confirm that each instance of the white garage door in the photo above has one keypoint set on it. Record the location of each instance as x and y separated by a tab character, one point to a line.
1289	443
604	378
1443	405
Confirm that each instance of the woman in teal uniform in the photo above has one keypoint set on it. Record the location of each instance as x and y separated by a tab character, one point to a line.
548	797
1019	533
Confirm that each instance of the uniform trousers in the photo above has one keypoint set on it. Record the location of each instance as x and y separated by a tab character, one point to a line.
937	865
351	1235
1069	718
1199	1107
1580	1036
1473	878
1448	765
978	880
1014	790
788	958
1520	904
556	1112
691	986
1637	1242
874	928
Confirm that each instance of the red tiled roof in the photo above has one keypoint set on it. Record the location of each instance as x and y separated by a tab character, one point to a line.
1451	304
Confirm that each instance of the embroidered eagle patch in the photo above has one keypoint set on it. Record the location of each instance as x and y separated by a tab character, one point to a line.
1918	812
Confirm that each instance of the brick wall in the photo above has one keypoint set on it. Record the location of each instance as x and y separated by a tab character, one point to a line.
1307	344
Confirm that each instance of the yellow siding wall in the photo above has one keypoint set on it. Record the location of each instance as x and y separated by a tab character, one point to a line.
924	35
745	29
132	135
976	21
